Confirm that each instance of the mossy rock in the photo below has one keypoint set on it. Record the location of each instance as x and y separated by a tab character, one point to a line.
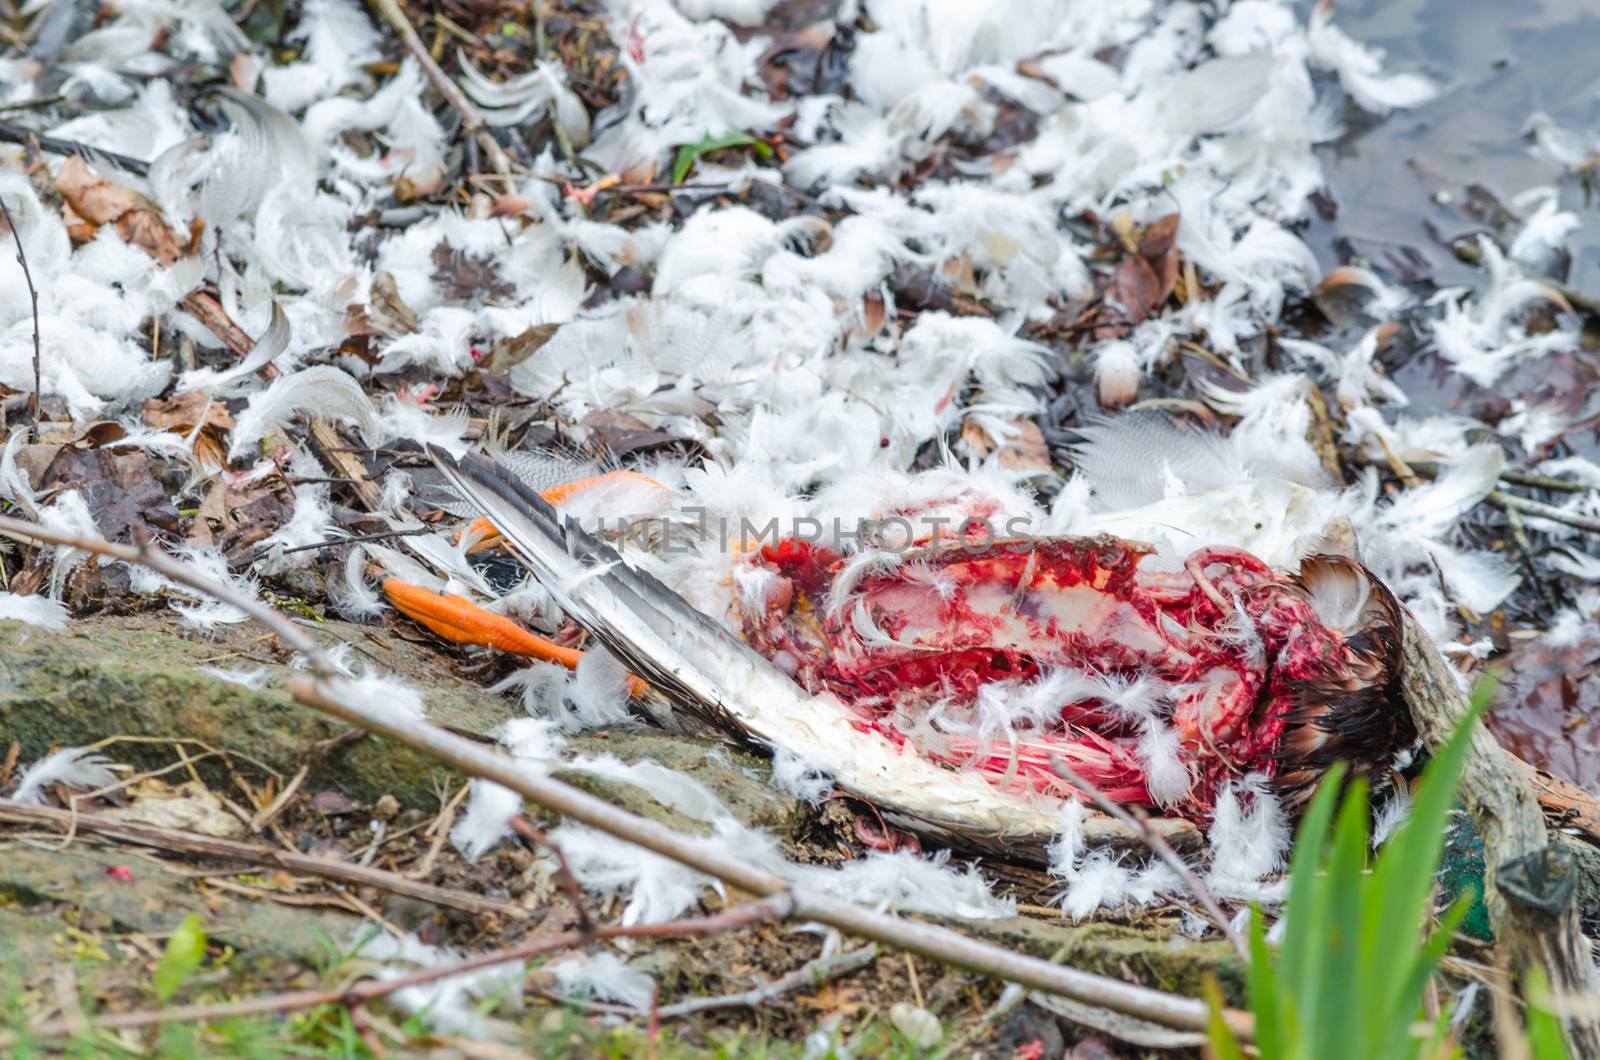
54	904
142	676
1156	955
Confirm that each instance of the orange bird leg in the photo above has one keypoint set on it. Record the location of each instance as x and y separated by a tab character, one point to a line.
457	619
484	536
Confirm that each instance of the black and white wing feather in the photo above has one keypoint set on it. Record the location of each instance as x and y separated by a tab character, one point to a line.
705	668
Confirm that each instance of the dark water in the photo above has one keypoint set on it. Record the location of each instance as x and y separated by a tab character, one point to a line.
1500	63
1404	187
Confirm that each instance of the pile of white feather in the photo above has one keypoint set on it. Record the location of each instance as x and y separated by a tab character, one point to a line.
777	345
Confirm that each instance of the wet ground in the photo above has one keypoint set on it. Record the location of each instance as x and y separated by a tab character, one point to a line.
1405	187
1403	184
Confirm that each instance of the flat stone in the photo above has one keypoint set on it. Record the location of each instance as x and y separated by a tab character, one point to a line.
142	676
40	887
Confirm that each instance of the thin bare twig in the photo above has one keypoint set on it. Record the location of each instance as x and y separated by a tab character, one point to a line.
157	560
812	974
54	145
1011	997
1539	510
369	990
333	695
1162	849
255	854
1512	502
569	882
356	539
209	312
471	116
33	297
439	831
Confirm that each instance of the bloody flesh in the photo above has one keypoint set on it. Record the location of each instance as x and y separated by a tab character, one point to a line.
1238	654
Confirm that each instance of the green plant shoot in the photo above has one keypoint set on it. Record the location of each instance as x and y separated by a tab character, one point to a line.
185	951
1349	976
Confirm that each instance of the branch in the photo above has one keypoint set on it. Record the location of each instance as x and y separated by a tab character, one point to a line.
209	312
369	990
1162	849
33	297
336	697
813	974
326	868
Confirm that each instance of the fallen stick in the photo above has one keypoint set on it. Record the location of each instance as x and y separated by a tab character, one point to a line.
334	696
232	850
369	990
1162	849
209	312
1539	510
471	116
1529	881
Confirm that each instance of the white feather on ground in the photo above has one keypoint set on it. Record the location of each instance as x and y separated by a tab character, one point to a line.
34	610
76	767
453	1005
603	976
486	821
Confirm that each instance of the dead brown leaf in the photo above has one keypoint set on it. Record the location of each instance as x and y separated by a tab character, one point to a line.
186	411
874	313
462	276
831	998
192	409
120	488
387	311
1159	247
1158	237
95	201
507	353
1026	452
1136	288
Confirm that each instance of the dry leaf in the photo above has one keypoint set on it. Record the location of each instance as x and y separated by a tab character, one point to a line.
1028	451
874	312
835	998
461	276
190	807
183	413
97	201
1136	288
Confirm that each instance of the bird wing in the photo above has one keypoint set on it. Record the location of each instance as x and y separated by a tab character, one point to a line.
703	667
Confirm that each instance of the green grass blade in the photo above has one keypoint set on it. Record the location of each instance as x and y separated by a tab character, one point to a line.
1339	1028
1298	971
1223	1043
1265	995
1407	866
1545	1039
1403	998
185	951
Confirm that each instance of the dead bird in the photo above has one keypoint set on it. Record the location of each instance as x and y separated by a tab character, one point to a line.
939	684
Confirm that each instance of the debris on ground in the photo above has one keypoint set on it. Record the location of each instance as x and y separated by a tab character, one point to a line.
886	424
